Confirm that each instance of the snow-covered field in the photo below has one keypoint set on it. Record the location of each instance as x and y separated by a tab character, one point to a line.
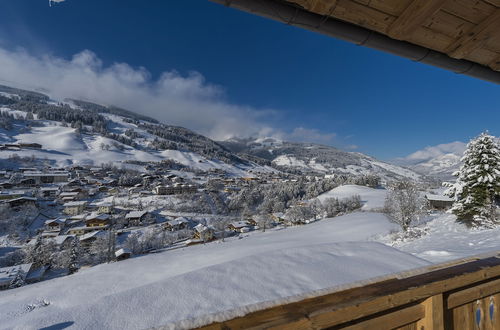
229	277
203	283
372	199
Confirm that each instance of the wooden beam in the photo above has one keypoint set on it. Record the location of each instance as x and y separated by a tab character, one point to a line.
476	37
392	320
471	294
434	314
495	65
413	17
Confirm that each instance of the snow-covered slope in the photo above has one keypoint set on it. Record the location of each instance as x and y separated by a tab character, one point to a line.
207	282
372	199
309	157
77	132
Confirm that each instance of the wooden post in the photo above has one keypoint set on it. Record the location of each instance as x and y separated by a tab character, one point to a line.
434	314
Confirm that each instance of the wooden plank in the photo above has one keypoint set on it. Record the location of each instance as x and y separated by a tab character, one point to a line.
474	11
430	39
495	64
392	320
477	292
447	24
463	317
482	56
361	15
391	7
476	37
414	15
434	314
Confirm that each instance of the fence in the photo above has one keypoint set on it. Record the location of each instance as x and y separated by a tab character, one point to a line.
464	294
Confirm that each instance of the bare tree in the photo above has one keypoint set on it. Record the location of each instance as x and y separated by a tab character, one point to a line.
263	221
404	204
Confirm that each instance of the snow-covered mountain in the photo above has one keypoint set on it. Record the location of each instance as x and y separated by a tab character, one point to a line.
437	161
310	157
78	132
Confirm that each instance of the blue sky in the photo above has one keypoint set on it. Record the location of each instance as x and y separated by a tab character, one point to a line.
230	72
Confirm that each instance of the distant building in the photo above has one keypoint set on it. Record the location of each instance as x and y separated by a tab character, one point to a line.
74	208
122	254
439	202
41	178
135	218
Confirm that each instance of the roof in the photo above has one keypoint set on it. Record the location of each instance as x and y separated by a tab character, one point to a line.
7	274
121	252
441	198
460	36
135	214
79	203
178	221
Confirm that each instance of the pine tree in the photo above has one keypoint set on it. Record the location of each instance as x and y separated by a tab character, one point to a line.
74	256
478	183
18	280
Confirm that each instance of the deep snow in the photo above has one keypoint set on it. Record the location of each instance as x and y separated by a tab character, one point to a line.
228	278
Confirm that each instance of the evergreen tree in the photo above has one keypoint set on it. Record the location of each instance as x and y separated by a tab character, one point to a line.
74	256
478	183
18	280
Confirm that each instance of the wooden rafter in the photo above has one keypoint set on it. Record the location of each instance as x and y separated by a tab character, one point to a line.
413	17
476	37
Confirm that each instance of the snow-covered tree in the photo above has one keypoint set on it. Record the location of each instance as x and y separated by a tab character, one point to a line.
477	187
404	203
264	221
40	253
74	256
18	280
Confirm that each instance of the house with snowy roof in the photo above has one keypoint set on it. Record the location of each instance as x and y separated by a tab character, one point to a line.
55	225
439	202
135	218
8	274
97	220
74	208
239	226
176	224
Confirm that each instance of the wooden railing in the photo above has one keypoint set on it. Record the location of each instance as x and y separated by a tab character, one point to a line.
461	295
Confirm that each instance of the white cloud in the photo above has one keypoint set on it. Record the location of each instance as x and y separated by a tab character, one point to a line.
302	134
175	99
456	148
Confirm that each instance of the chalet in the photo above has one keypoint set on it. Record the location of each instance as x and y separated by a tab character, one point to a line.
163	190
176	224
97	220
22	201
123	254
105	208
41	178
439	202
203	233
55	225
69	196
49	192
74	208
27	182
8	274
88	238
239	226
135	218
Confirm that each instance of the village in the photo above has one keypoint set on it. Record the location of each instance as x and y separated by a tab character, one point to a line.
53	216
